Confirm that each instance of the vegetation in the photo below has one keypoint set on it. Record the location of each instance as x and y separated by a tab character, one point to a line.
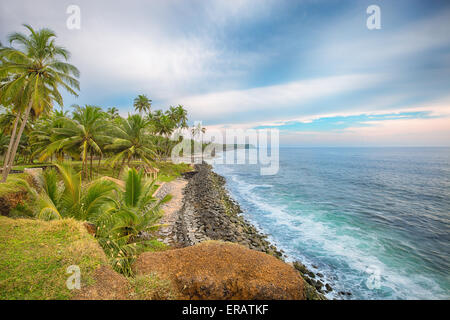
123	220
30	79
142	103
80	151
124	228
69	199
34	256
152	287
31	76
14	183
169	171
91	135
131	141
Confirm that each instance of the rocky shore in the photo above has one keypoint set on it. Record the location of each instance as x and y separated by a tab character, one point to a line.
209	213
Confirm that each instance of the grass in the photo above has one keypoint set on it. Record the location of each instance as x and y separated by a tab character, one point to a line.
12	184
151	287
36	165
169	171
34	256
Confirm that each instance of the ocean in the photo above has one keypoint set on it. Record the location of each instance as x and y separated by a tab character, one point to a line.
374	221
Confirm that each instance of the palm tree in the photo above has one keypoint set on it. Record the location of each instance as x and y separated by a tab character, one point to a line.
30	79
4	138
7	121
113	112
179	116
132	140
155	116
72	199
142	103
81	136
43	134
165	126
124	229
197	131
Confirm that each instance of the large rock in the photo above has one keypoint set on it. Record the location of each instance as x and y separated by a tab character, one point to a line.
219	270
109	285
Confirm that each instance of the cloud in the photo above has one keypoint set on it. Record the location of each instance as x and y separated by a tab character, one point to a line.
163	48
248	63
411	132
347	44
276	97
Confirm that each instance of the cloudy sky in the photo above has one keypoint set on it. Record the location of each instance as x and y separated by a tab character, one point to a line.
310	68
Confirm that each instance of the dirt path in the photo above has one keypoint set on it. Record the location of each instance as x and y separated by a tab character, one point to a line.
171	208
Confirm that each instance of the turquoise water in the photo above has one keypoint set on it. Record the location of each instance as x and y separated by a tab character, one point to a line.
374	221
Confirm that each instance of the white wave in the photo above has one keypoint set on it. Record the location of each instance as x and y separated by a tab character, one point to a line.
344	244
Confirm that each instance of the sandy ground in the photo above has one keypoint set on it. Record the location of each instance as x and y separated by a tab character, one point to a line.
171	208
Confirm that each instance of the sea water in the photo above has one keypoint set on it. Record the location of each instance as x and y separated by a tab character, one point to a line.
374	221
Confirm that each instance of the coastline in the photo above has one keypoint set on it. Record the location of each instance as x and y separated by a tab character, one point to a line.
208	212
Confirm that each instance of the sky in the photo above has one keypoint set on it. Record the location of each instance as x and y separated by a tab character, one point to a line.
310	68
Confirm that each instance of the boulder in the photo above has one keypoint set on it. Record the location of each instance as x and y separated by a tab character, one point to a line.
108	285
220	270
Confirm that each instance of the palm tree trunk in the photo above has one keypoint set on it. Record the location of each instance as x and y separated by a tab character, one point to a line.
121	167
11	142
86	172
98	167
16	142
91	164
84	161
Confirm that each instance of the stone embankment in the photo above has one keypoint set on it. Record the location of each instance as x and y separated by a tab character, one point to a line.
208	213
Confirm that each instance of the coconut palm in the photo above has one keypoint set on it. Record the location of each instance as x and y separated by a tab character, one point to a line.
179	115
43	134
113	112
197	131
124	229
155	116
80	137
70	199
131	141
142	103
31	76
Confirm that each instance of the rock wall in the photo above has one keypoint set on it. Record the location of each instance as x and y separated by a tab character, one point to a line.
208	213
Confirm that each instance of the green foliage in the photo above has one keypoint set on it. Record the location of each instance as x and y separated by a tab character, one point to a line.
142	103
125	230
34	70
131	140
30	78
14	183
31	75
169	171
79	137
55	200
124	220
112	113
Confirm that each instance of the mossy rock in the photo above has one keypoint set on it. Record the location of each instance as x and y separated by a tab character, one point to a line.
222	270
